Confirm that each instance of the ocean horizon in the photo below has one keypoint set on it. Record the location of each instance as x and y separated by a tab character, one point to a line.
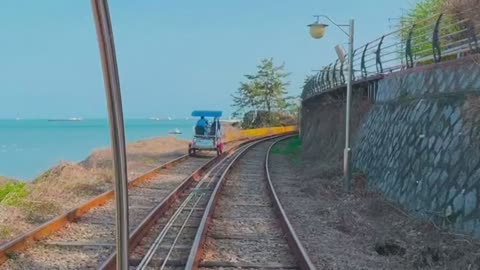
29	147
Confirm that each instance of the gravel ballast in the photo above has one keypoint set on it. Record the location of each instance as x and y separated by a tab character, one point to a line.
360	230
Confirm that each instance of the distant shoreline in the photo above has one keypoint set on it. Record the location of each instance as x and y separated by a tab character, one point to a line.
28	147
5	179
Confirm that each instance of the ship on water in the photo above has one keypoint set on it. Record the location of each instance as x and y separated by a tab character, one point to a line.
175	131
72	119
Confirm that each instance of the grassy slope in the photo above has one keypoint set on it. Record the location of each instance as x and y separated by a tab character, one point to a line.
69	184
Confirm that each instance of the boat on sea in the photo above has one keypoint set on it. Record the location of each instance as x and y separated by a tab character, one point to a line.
170	118
72	119
154	118
175	131
230	120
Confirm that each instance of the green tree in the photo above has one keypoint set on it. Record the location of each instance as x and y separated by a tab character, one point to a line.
421	11
423	15
264	91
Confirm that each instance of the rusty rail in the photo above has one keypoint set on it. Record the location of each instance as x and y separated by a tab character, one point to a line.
293	241
23	241
297	248
27	239
142	230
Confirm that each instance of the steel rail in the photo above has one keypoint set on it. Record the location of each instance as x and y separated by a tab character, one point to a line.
200	237
154	247
293	241
194	256
27	239
145	226
217	170
180	232
23	241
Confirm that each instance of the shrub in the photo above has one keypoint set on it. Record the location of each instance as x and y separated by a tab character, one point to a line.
12	193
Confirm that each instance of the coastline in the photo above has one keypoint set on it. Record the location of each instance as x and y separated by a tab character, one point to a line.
30	147
67	184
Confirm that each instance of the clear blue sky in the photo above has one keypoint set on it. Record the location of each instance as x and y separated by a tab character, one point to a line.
173	56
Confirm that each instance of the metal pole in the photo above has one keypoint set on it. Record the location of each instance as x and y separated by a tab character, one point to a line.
114	102
347	170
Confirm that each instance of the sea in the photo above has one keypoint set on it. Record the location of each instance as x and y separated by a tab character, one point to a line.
30	147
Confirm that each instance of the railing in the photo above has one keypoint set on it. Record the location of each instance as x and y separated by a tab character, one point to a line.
440	37
256	132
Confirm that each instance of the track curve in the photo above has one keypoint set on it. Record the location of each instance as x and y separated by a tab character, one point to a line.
244	225
212	213
85	235
169	240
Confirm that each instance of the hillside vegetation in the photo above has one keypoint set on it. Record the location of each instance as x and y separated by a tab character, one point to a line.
63	187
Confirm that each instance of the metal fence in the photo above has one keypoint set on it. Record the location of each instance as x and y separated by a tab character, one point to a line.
438	38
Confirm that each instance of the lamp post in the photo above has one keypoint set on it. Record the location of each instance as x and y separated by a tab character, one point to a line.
317	31
103	25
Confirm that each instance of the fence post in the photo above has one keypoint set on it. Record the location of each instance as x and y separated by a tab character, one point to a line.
322	80
379	56
334	77
327	76
437	51
408	48
342	76
362	65
473	37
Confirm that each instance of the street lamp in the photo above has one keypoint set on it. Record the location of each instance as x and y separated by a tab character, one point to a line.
317	31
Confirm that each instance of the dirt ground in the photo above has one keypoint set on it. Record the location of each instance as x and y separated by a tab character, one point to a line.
68	184
4	180
361	230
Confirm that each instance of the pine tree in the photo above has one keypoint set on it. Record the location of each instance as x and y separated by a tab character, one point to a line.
263	91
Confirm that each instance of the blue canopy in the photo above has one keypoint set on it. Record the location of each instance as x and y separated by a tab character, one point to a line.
207	113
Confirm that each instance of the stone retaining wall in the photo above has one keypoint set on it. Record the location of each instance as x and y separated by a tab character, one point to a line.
420	144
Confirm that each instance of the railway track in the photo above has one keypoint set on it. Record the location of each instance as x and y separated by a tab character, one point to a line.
85	236
231	219
176	222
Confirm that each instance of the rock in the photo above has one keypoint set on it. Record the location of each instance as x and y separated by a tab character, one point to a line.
470	202
458	203
451	193
448	211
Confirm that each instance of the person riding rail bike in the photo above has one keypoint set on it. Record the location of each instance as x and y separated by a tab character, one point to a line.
201	127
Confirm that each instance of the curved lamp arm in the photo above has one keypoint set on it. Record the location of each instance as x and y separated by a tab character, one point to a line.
337	25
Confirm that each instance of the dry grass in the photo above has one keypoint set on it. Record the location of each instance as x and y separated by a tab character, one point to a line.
67	185
142	155
5	180
12	222
144	150
5	231
362	230
463	9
